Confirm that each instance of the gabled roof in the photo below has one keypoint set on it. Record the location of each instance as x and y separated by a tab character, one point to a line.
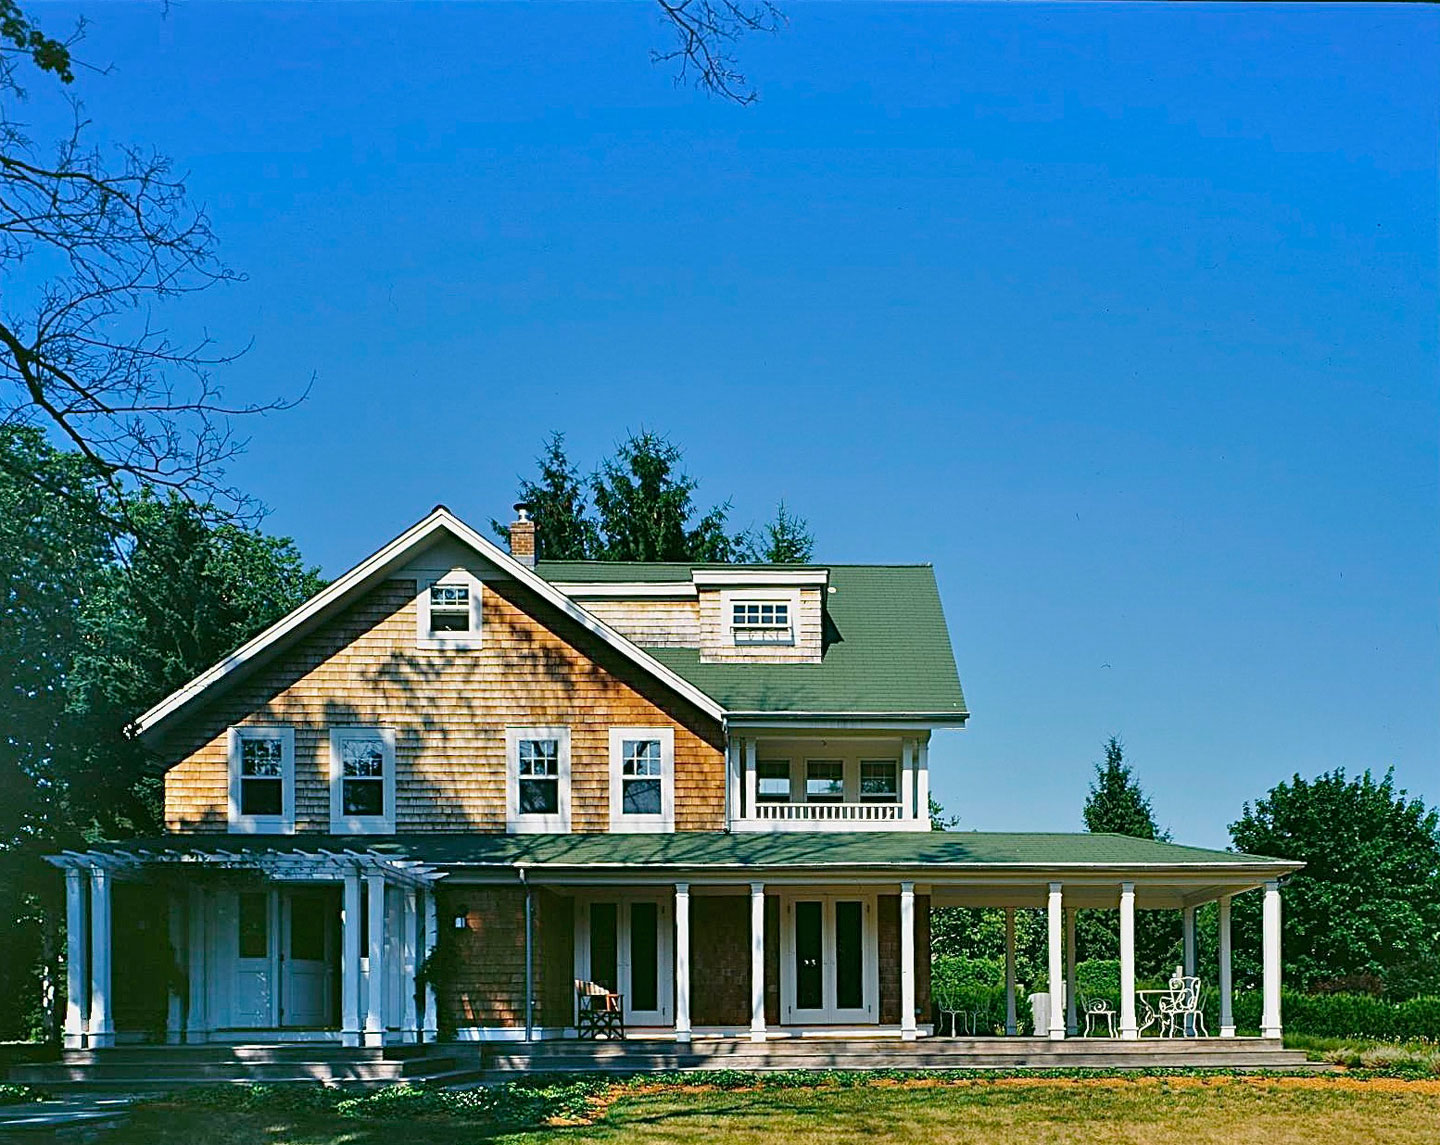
887	652
370	572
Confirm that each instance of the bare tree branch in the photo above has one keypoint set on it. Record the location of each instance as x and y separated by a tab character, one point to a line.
704	32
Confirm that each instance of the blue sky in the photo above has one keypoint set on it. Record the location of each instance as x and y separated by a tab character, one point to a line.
1123	317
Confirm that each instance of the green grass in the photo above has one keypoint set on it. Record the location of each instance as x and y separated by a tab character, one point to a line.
1194	1110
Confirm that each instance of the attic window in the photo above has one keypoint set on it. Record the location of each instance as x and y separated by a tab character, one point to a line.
761	622
448	612
449	608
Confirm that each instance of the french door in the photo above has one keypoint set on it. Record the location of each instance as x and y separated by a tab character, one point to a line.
828	964
625	943
308	953
283	946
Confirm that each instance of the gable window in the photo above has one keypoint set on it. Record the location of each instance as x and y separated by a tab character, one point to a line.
879	781
824	781
537	779
362	780
262	780
642	779
448	612
772	781
761	622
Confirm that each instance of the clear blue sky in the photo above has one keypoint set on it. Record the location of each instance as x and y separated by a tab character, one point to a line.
1123	317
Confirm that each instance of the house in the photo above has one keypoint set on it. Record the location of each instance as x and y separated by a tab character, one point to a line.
703	787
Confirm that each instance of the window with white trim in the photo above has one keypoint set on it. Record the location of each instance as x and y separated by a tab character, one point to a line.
761	622
362	781
772	781
642	779
879	781
537	779
262	780
824	781
448	612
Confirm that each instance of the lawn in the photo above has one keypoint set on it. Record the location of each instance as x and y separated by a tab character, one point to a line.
1189	1110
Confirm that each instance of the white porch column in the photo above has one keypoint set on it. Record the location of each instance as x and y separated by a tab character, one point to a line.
1227	1016
375	980
174	1003
409	941
197	1021
1012	1027
922	780
907	778
757	960
1057	966
732	779
1270	1008
350	947
682	962
1187	927
77	962
101	1027
907	962
751	748
430	1024
1072	1027
1128	1027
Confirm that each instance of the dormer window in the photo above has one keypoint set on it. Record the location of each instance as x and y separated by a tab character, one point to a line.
761	622
448	612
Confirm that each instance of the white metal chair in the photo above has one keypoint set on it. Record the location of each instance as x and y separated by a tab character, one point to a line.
1099	1010
949	1000
1180	1013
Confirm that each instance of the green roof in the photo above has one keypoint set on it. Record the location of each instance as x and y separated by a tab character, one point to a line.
692	849
887	645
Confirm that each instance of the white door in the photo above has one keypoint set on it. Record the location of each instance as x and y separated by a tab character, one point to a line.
252	927
308	958
626	944
828	965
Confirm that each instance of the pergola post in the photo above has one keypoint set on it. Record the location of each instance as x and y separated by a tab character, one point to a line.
430	1023
350	947
409	935
1129	1029
1057	966
1072	1025
101	1027
197	1020
757	959
375	979
175	1002
682	962
77	963
1270	1009
1012	1027
1227	1016
907	962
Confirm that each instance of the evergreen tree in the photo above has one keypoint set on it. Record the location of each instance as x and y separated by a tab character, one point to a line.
564	530
1116	803
785	540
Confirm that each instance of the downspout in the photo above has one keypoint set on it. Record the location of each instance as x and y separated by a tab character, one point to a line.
529	959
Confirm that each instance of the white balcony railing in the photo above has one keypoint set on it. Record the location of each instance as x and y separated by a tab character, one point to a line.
828	812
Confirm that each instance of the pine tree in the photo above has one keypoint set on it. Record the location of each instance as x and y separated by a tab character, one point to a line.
564	530
785	540
1116	803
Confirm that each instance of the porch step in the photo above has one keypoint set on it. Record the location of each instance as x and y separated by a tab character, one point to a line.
160	1068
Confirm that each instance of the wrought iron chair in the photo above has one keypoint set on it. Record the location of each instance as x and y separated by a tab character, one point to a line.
1098	1010
1180	1013
599	1011
949	1000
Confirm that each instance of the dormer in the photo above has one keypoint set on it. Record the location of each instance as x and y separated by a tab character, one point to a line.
761	616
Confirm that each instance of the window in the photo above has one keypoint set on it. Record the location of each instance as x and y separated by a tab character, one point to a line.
772	781
879	781
254	924
824	781
642	779
537	783
448	612
761	622
262	780
362	780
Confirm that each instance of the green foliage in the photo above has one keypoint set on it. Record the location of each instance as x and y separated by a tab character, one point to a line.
1116	802
564	530
1339	1015
22	36
785	540
1367	904
13	1094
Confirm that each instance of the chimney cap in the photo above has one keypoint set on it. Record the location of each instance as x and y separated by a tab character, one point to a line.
522	510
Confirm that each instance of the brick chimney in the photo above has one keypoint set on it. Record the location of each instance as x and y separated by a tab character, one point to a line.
522	535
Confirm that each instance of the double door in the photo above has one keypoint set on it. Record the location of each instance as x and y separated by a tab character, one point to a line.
626	944
285	945
828	965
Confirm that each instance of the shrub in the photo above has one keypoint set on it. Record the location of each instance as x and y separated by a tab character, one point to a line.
1338	1015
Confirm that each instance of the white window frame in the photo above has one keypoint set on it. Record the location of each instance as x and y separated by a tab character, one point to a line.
775	761
897	769
284	823
844	777
516	823
728	601
665	821
342	824
449	641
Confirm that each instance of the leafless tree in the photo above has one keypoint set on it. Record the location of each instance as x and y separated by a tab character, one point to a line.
91	243
705	31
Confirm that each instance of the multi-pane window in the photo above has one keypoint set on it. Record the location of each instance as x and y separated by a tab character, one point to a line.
538	776
449	608
879	781
760	621
641	767
362	775
772	781
262	775
824	781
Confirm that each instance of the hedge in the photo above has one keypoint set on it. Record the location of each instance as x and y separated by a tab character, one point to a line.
1337	1015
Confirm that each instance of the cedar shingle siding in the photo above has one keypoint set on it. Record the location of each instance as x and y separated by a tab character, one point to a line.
449	710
